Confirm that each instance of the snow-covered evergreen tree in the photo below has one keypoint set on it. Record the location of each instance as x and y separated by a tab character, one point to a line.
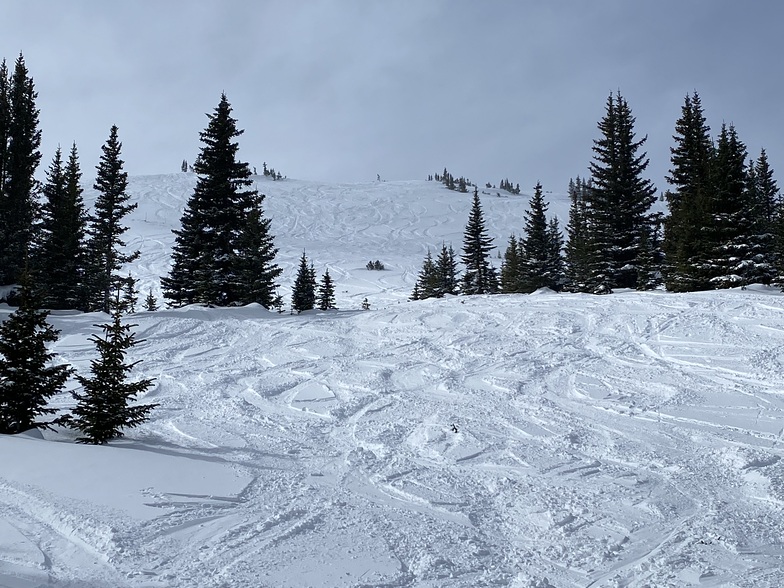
479	276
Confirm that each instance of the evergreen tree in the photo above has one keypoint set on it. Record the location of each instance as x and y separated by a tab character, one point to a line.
184	166
446	270
129	295
535	270
619	200
688	201
19	189
326	292
104	410
27	377
258	272
554	263
479	276
415	295
511	268
303	294
150	303
5	129
223	251
105	229
763	196
732	215
577	251
60	257
427	284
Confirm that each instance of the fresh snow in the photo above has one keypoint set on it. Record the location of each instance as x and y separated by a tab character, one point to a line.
630	440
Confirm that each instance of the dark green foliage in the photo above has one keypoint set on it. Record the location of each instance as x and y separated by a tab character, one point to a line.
258	272
105	229
689	201
129	295
763	195
303	294
223	251
479	276
27	377
104	410
375	265
619	200
731	214
536	263
577	251
326	292
184	166
150	302
511	269
19	189
60	256
427	284
446	271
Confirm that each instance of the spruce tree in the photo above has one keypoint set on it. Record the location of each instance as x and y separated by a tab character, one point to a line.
511	268
303	294
479	276
763	195
60	257
620	200
105	228
150	302
223	251
577	251
554	263
731	214
326	292
19	189
446	270
427	285
104	409
28	379
5	129
688	201
257	270
535	264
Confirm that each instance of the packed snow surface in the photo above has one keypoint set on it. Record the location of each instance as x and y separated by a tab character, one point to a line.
548	440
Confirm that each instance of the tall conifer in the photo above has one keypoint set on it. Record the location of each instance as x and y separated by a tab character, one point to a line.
479	276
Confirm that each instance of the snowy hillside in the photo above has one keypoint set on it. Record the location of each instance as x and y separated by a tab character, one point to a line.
550	440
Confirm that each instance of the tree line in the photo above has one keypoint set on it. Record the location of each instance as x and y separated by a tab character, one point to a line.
724	225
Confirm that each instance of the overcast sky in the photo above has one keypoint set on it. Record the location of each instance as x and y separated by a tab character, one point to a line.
342	90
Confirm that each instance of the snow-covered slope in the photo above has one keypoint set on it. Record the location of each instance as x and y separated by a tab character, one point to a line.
528	441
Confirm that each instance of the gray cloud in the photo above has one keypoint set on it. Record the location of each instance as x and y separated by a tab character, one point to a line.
340	90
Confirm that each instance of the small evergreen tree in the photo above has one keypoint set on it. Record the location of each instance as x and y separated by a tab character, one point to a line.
479	276
104	410
577	252
104	245
326	292
536	247
150	303
129	295
184	166
510	268
427	285
257	269
27	377
303	294
446	270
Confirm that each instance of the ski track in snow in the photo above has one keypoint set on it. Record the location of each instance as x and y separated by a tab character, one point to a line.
630	440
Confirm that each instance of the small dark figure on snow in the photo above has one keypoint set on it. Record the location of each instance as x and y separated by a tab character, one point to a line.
454	428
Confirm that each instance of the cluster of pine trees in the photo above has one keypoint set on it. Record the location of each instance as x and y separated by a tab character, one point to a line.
725	225
459	184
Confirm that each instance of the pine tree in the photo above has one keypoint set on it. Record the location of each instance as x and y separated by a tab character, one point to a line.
326	292
129	295
257	270
60	257
536	247
223	251
303	294
511	268
104	410
184	166
732	215
619	200
446	270
427	284
27	377
554	262
763	196
479	276
577	251
150	303
105	229
689	200
5	129
19	189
